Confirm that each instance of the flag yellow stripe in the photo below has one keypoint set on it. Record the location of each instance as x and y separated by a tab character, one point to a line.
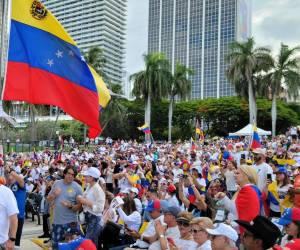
103	92
21	12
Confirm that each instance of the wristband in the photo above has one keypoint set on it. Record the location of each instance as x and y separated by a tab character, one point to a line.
12	239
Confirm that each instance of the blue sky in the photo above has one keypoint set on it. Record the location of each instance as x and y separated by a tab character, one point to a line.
273	22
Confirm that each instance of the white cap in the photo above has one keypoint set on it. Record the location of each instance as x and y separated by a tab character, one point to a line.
261	151
134	190
198	168
225	230
93	172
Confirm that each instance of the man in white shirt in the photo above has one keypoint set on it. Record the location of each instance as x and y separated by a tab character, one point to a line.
149	235
262	168
9	220
164	233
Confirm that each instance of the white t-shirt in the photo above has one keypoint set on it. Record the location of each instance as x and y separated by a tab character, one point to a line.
262	170
186	244
149	231
205	246
230	180
171	232
8	207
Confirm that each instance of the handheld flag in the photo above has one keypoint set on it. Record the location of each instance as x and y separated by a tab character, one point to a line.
145	128
45	65
199	131
255	139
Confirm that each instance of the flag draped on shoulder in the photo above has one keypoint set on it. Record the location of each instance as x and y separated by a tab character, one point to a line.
145	128
199	131
255	139
45	66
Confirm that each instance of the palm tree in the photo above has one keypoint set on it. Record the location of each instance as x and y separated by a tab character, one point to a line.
246	62
152	82
284	74
95	57
179	86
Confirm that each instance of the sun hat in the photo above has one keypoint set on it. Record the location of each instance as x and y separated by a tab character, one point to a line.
224	230
93	172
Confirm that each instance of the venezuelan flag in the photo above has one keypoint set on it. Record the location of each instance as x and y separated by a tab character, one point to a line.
255	139
145	128
46	67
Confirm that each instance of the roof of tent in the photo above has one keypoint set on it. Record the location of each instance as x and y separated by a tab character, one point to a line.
248	130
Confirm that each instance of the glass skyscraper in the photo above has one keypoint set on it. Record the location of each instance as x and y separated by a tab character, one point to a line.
197	33
96	23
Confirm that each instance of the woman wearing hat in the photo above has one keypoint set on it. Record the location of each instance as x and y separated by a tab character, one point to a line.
278	192
290	220
93	201
246	204
201	237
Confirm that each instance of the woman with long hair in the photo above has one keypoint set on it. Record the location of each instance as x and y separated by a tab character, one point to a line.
290	220
278	193
246	204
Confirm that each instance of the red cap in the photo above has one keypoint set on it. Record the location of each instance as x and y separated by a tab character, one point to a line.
171	188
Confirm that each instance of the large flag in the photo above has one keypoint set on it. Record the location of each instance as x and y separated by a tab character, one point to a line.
145	128
46	67
255	139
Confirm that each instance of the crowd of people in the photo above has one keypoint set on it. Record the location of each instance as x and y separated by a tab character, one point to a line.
212	194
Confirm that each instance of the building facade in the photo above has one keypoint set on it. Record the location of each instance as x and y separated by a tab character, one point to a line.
99	23
198	33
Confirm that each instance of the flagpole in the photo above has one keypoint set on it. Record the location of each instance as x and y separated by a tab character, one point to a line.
2	63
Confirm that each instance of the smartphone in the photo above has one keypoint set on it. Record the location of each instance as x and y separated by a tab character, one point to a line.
269	177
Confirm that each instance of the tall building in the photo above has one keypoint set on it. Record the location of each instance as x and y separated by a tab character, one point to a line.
99	23
197	33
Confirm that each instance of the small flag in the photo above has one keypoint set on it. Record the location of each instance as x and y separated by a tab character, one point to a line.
199	131
145	128
255	139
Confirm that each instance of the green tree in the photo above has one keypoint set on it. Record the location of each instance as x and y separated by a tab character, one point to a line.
246	62
179	86
284	74
152	83
95	57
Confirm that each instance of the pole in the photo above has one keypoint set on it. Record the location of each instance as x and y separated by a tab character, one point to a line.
3	16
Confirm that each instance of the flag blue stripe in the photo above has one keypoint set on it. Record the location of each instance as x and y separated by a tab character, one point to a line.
39	49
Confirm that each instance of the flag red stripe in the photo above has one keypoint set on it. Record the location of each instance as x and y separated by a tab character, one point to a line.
37	86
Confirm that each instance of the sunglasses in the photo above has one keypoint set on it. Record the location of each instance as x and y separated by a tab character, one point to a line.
197	231
183	224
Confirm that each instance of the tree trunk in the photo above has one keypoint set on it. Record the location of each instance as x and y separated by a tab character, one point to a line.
148	110
252	105
274	115
33	123
54	127
170	119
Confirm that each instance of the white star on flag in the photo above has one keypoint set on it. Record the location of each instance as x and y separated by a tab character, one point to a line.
59	54
71	53
50	62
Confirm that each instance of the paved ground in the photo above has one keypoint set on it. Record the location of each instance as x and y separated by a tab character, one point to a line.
30	230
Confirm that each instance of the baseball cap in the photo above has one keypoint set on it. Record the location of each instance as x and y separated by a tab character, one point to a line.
171	188
281	170
260	151
174	210
153	205
134	190
263	229
93	172
289	215
224	230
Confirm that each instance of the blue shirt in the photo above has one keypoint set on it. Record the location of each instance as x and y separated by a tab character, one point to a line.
20	194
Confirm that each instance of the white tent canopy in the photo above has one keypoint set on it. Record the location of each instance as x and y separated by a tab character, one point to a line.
248	130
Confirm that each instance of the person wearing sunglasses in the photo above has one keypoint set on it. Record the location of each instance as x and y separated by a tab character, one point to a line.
201	237
186	240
